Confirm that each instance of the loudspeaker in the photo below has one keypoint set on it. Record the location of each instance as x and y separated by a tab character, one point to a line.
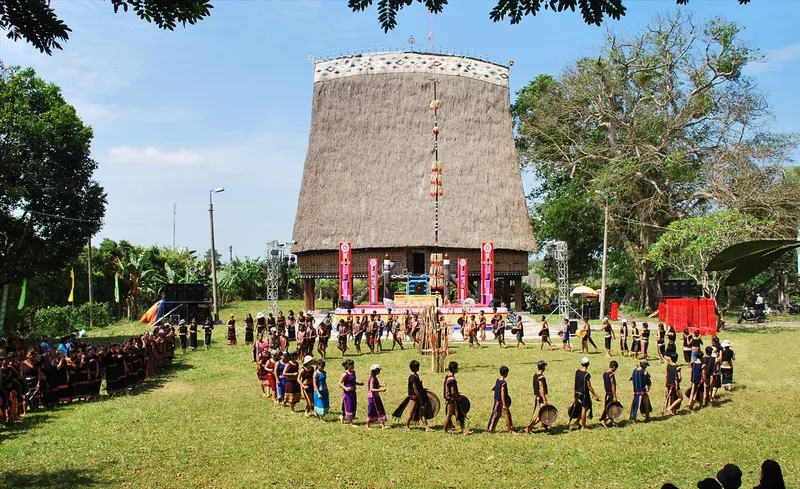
573	326
195	292
679	288
346	304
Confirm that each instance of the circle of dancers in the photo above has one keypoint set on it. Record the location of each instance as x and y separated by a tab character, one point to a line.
291	378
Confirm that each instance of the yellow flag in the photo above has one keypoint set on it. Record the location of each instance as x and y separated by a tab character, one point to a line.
71	290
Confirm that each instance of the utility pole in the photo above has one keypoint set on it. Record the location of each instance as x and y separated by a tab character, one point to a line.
230	253
213	252
89	269
174	211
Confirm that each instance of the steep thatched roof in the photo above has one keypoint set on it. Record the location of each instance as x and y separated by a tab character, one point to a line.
367	170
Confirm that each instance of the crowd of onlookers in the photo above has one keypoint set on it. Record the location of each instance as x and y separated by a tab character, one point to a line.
49	373
730	477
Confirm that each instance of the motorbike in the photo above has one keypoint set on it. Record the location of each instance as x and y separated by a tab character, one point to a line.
752	315
794	308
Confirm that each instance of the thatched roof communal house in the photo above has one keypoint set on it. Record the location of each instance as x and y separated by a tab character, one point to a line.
368	166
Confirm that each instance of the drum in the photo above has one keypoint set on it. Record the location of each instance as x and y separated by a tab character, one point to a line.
574	411
514	330
614	410
581	333
433	405
464	404
548	415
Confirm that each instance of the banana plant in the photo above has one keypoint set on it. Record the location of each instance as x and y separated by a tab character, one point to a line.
750	258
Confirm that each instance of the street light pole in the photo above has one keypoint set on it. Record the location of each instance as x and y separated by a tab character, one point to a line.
605	258
214	297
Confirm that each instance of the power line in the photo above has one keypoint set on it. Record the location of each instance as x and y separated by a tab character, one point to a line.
106	223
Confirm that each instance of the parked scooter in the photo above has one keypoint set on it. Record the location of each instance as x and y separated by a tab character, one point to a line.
752	315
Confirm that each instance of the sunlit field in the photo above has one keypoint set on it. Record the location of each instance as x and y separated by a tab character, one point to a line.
206	425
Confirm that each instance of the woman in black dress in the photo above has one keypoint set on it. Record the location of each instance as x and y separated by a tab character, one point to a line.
248	329
183	330
671	348
660	342
193	335
232	330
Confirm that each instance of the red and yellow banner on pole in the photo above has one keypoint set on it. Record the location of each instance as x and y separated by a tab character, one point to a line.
373	281
487	273
345	271
71	297
463	282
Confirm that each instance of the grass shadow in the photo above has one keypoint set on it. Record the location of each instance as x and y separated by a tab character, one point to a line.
55	479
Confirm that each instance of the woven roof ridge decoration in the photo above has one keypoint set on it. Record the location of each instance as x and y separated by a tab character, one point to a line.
381	63
366	178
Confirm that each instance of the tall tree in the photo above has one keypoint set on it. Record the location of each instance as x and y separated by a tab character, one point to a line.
49	204
36	21
592	11
653	117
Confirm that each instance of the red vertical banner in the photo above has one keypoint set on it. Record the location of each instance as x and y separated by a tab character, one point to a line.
345	272
373	281
463	287
487	273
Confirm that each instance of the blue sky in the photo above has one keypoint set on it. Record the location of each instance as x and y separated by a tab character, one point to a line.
227	102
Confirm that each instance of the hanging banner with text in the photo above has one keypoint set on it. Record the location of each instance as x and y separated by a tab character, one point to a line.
487	273
345	272
463	287
373	281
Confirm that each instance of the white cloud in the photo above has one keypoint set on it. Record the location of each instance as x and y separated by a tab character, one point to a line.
775	60
151	155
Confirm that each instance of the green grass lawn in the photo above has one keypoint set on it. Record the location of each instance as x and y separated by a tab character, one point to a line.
206	425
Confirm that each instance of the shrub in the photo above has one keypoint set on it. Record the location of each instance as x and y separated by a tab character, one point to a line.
60	321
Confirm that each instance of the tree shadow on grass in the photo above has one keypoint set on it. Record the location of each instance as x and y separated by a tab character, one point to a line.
24	424
51	479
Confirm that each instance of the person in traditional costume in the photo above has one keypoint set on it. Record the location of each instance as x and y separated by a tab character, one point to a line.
307	384
641	392
291	373
261	323
610	387
248	329
359	327
324	334
582	404
623	338
348	384
482	325
671	337
262	370
280	367
544	334
397	333
378	332
686	340
376	413
232	330
726	365
34	377
499	328
502	403
564	334
519	333
183	330
698	379
193	335
644	342
208	327
608	335
369	333
636	340
408	325
697	345
586	331
539	395
302	341
321	397
452	398
280	322
283	342
673	396
712	381
341	336
661	343
416	400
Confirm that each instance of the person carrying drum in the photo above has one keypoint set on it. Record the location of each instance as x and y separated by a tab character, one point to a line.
452	398
641	392
539	394
610	385
582	405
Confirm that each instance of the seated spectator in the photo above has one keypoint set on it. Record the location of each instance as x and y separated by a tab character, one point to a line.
730	476
771	476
